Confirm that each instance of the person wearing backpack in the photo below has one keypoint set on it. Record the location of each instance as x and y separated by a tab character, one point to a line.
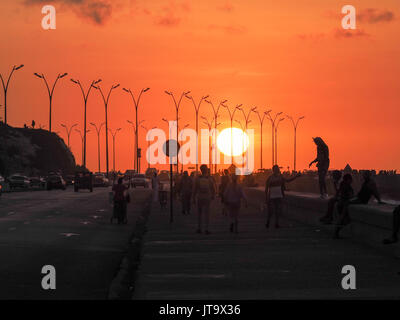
203	193
232	198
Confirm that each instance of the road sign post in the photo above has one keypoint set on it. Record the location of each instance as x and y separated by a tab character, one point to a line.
171	149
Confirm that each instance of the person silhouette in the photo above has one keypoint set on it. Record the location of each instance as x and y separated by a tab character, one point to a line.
322	161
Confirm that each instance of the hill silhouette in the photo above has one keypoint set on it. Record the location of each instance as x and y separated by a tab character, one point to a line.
33	152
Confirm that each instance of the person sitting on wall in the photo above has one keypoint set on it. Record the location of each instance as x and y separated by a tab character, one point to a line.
396	227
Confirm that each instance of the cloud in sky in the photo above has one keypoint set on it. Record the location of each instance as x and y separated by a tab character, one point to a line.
229	29
227	7
372	16
340	33
369	15
97	12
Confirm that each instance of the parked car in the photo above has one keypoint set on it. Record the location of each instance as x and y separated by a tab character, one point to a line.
69	180
18	181
37	182
2	182
140	180
100	180
56	182
83	181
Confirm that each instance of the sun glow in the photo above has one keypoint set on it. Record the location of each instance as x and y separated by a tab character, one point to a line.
240	141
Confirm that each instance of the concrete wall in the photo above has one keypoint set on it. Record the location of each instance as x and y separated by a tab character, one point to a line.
370	223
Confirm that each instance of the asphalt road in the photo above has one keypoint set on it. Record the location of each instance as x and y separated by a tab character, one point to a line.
297	261
70	231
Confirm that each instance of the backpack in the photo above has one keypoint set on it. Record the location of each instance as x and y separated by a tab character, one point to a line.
203	184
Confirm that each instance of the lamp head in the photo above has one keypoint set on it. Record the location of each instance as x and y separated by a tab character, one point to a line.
19	67
38	75
147	89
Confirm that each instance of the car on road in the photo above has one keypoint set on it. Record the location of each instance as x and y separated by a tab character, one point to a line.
83	180
18	181
140	180
100	180
69	179
56	182
2	182
37	182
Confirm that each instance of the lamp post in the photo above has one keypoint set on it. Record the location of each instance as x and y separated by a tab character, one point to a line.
106	100
68	130
261	131
113	136
186	125
82	138
134	140
197	109
98	130
243	129
246	124
177	106
216	123
5	88
85	98
148	146
276	139
136	105
273	120
295	124
231	115
50	92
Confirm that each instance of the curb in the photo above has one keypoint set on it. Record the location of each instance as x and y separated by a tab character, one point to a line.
122	286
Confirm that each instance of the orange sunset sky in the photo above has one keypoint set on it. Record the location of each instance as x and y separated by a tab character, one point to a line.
290	56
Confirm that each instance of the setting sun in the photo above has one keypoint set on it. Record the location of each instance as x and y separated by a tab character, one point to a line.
240	142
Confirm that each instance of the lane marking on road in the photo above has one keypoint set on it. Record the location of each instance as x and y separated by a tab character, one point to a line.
100	210
189	275
86	222
68	235
10	213
12	229
95	217
26	222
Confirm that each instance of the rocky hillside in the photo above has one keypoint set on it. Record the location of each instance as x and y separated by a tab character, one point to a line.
33	152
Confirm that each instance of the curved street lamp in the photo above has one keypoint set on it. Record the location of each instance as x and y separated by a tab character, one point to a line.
295	124
216	124
98	130
197	109
85	98
82	138
231	115
276	139
68	130
106	100
177	106
136	105
50	92
113	136
273	120
261	119
5	88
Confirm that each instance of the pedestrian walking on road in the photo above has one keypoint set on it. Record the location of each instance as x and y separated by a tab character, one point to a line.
154	185
186	188
328	217
274	193
233	195
322	161
222	187
203	193
120	202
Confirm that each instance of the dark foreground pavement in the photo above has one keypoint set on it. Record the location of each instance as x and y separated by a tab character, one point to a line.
68	230
297	261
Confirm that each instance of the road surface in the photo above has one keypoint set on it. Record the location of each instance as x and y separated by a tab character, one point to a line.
70	231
